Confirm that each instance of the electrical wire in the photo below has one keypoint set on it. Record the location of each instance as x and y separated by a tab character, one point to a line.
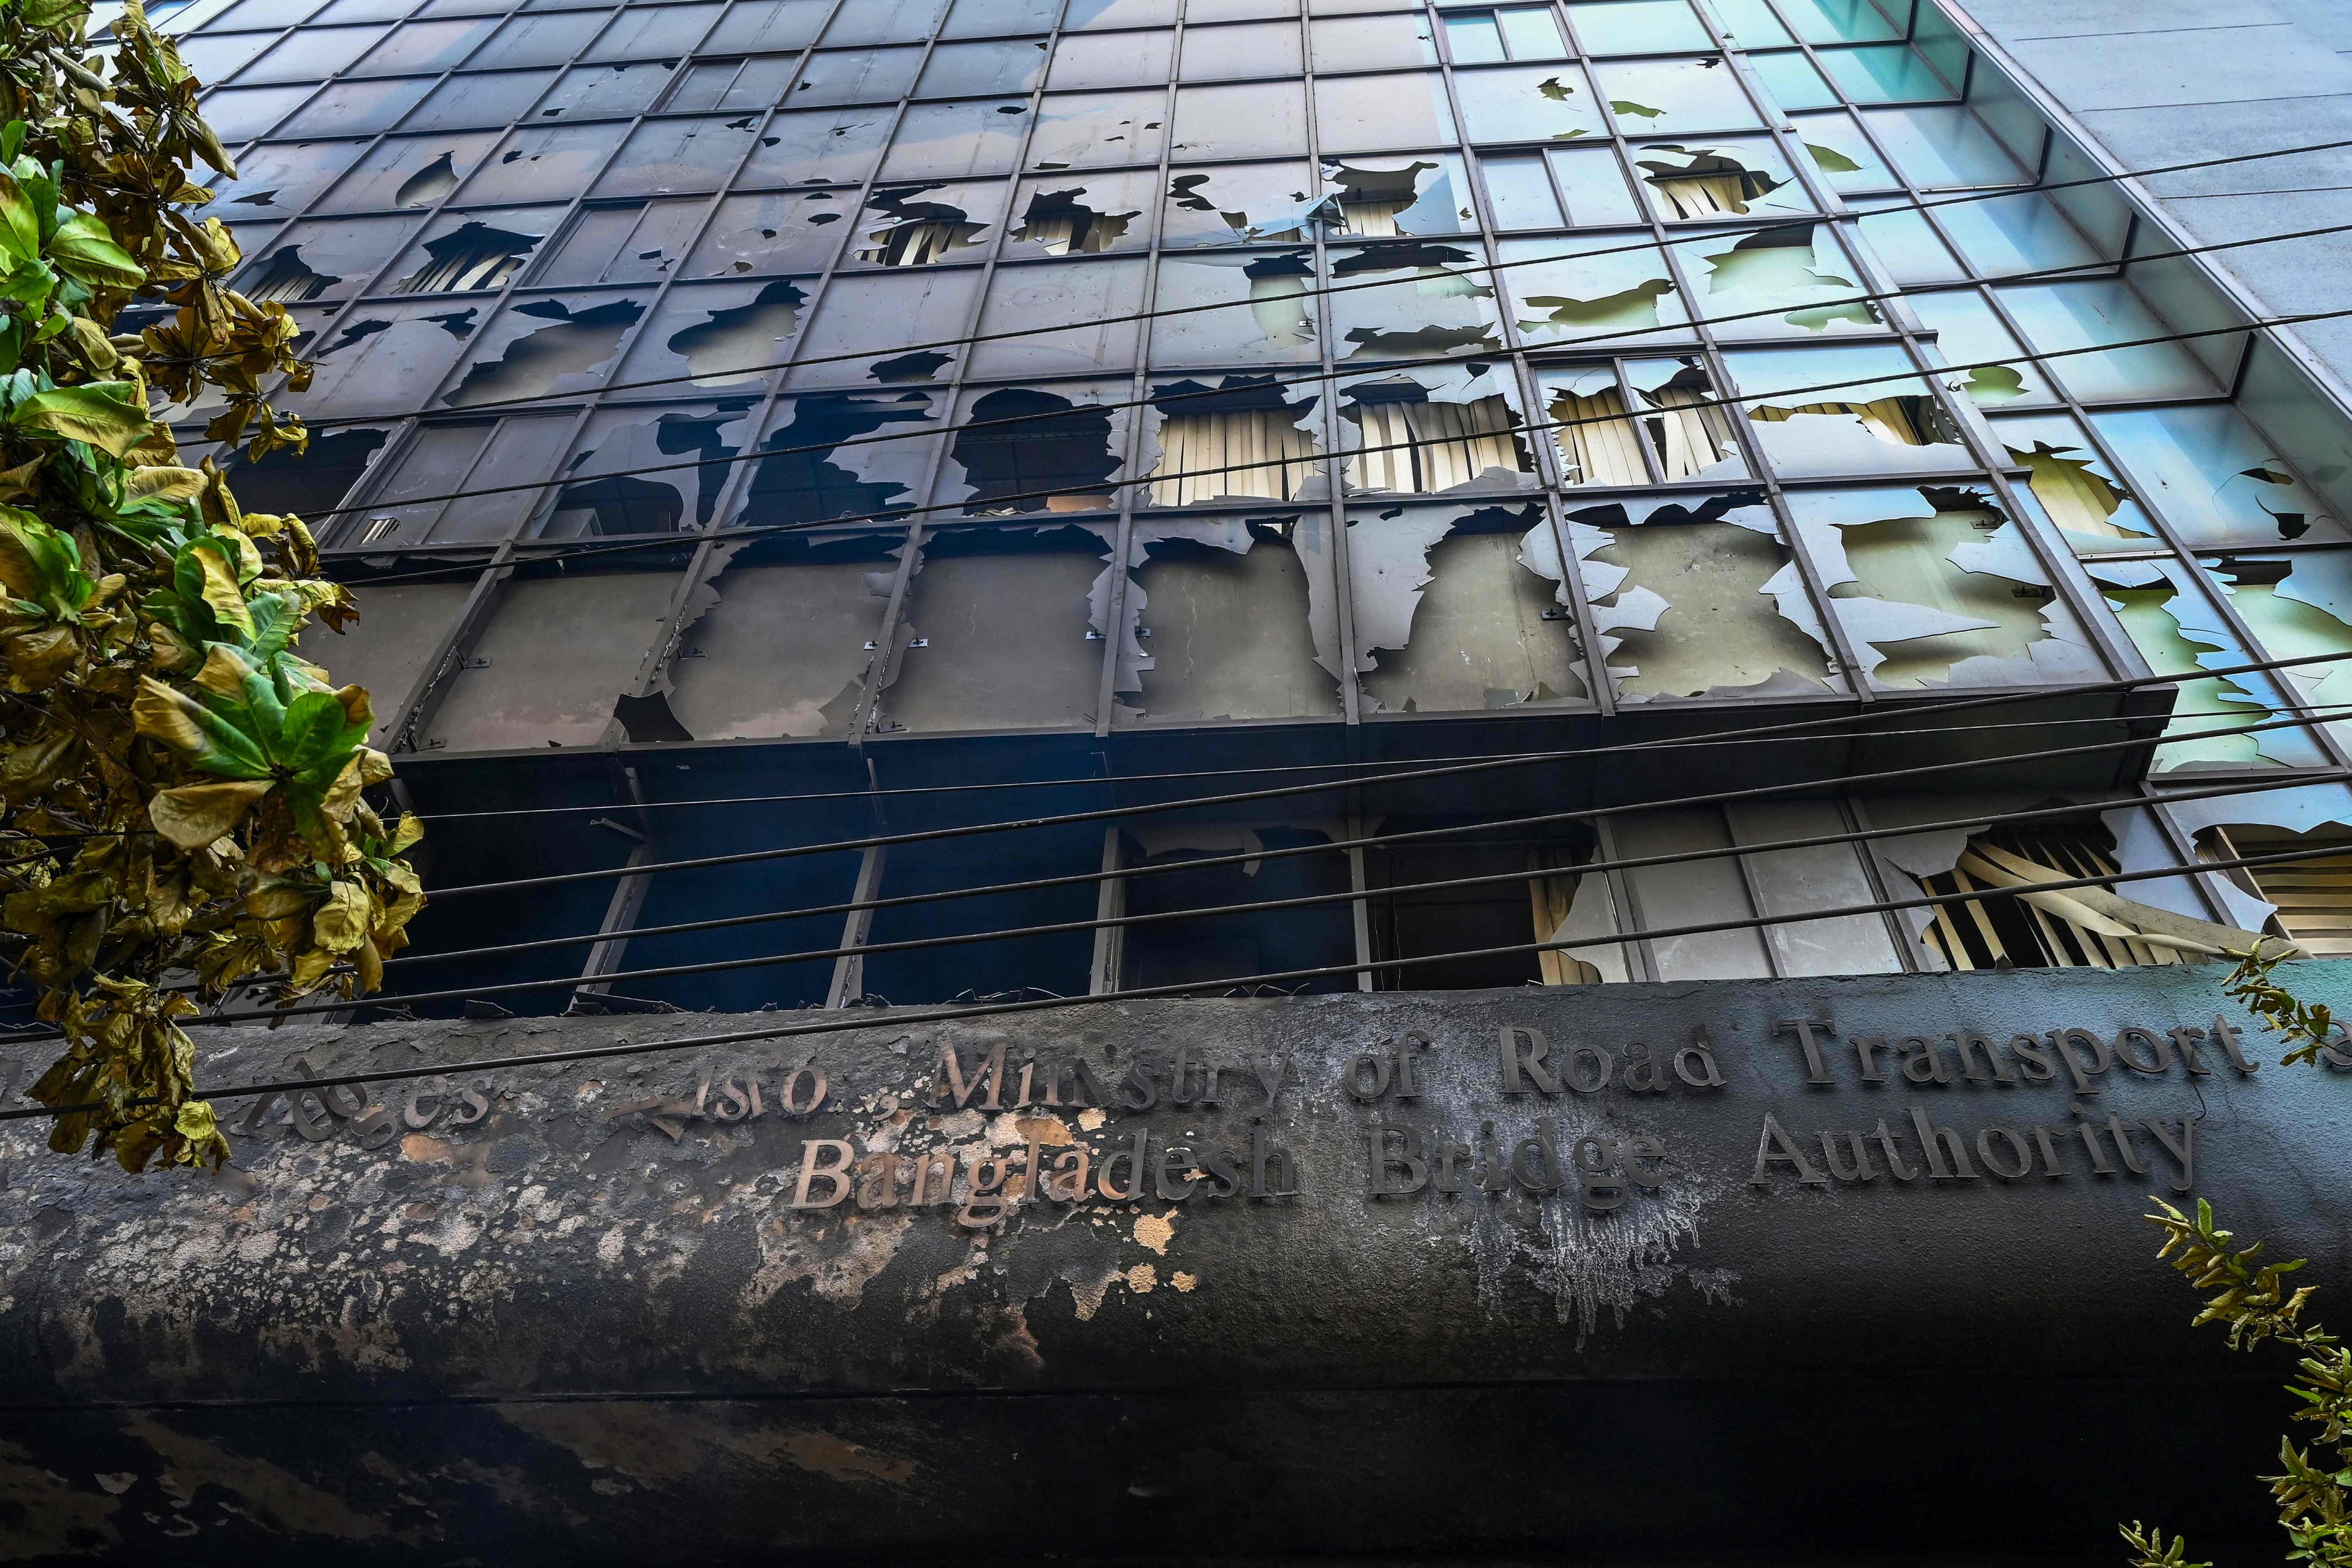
1528	497
1917	205
1583	815
933	1017
1254	383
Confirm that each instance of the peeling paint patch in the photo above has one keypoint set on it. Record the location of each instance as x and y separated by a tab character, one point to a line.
1184	1283
1143	1278
1156	1232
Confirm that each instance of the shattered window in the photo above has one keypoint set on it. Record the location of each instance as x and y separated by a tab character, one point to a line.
840	455
2214	478
1086	61
442	458
1375	198
1369	112
1409	919
2073	929
553	162
781	643
474	254
1637	26
1621	297
1278	324
1527	103
1648	97
2074	486
1436	430
1740	176
1828	411
1217	624
820	147
554	662
721	334
385	358
543	345
1935	586
308	484
1674	419
955	70
1759	283
1399	42
878	314
627	243
943	139
1086	130
1695	595
2058	317
793	231
1240	202
1968	333
1060	216
623	477
1241	436
1051	449
916	225
1002	614
1453	611
1443	302
1841	154
321	260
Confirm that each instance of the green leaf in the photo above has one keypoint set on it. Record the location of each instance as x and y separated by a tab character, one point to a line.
105	414
12	139
315	733
83	248
52	16
41	566
211	742
20	226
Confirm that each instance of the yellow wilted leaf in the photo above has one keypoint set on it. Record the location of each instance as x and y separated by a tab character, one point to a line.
341	922
193	816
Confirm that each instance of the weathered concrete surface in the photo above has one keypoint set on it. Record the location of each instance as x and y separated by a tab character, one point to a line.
557	1332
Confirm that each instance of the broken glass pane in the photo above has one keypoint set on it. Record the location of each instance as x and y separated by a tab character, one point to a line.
1021	450
346	108
857	75
1789	80
497	98
822	147
311	54
1885	73
1433	431
1792	275
553	661
937	141
1907	244
783	649
1527	103
1398	42
1224	604
600	93
1271	318
1841	155
840	455
1622	296
653	32
1368	112
1013	64
278	179
1968	333
722	334
667	156
2214	477
421	47
2177	628
444	458
1450	614
1059	216
1596	441
1002	614
546	344
916	225
1262	120
631	243
1684	596
778	24
877	314
2074	485
1248	201
1821	413
1935	587
478	252
1648	97
793	231
1247	50
884	22
1690	435
1114	59
732	86
1080	130
2062	316
1443	302
621	480
408	172
1243	438
1741	176
2298	607
321	260
1637	28
1521	192
1380	198
1689	892
541	164
309	484
385	358
1104	295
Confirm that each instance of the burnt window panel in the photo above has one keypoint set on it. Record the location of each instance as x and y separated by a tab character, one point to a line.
626	479
1266	121
1245	437
409	172
915	226
481	98
817	468
628	243
307	486
472	255
1220	624
1055	966
1002	612
784	647
1454	613
1065	217
550	666
1228	948
544	345
1017	443
1409	921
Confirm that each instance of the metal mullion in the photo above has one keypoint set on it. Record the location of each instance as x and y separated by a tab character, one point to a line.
1343	597
1914	951
1755	894
1138	389
849	969
1110	903
1625	907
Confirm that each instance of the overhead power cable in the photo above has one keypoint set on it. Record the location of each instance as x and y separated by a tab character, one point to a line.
1529	496
1490	266
1336	375
1587	814
928	1017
